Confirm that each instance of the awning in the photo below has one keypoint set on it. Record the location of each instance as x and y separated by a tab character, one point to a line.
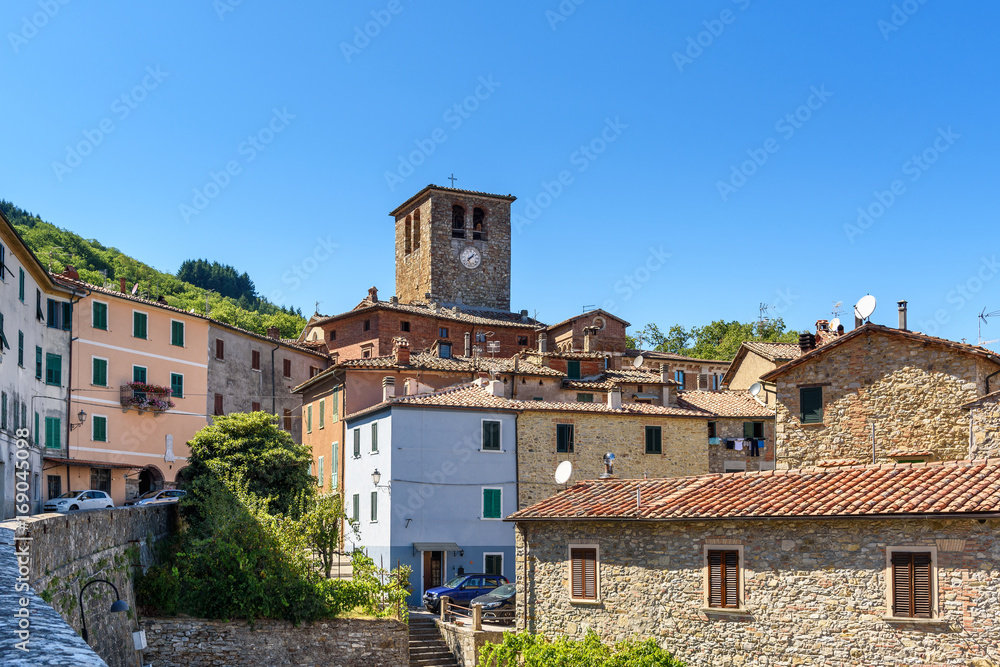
436	546
646	396
88	464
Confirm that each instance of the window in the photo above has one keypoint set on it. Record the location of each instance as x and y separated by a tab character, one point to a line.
220	349
911	583
366	352
139	322
288	420
493	564
99	315
53	432
713	429
139	374
443	332
320	472
218	405
416	229
583	573
99	372
20	349
357	443
255	360
176	333
679	378
314	371
724	579
334	405
37	431
573	370
99	429
24	417
522	341
39	315
457	222
20	284
286	367
38	363
478	228
367	325
60	314
177	385
334	465
55	486
564	438
356	507
404	326
322	413
492	501
491	436
374	437
100	479
407	224
254	406
444	350
811	405
374	506
753	430
309	418
3	410
331	334
16	414
654	440
53	369
584	398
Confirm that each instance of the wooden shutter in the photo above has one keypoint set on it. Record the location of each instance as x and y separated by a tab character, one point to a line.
218	404
811	405
654	440
747	429
583	566
724	579
220	349
255	360
911	584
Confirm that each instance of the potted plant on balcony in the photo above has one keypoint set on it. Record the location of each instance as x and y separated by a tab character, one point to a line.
144	396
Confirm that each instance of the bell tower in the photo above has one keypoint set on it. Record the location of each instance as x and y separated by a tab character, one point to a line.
454	245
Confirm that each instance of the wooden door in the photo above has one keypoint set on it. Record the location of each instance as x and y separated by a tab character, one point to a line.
432	569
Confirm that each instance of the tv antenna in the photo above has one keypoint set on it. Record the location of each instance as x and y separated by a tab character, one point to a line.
762	318
837	310
983	316
865	307
592	306
493	347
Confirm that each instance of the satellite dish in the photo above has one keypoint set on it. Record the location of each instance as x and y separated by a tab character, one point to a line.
865	307
834	323
755	388
637	362
563	471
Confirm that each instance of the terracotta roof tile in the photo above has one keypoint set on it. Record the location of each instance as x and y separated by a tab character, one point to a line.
951	487
774	351
452	313
725	403
611	378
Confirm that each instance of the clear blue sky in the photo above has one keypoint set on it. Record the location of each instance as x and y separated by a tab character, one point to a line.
334	112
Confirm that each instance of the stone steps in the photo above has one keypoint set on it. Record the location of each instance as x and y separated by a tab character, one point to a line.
427	649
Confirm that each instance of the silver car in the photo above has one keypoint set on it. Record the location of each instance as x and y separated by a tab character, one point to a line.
79	500
160	497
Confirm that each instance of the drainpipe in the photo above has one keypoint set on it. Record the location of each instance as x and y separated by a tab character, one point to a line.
274	396
69	382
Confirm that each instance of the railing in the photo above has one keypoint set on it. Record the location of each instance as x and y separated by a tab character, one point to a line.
141	397
459	615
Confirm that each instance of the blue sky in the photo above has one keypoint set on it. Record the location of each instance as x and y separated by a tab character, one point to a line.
714	156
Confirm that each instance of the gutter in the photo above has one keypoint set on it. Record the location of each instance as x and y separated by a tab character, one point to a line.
274	397
834	517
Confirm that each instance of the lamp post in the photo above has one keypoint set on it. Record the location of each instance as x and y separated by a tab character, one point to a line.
81	417
119	605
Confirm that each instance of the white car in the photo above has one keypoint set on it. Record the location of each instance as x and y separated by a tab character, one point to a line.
79	500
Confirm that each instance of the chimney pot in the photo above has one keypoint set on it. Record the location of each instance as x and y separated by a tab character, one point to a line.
902	315
388	387
542	342
807	342
401	350
394	300
468	344
373	294
122	285
71	272
664	373
615	398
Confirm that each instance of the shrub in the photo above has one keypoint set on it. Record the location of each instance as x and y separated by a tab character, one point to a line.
527	650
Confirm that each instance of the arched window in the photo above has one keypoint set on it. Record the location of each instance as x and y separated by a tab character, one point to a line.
416	229
478	228
457	222
406	240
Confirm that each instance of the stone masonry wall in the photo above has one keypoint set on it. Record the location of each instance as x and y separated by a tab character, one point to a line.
986	428
918	388
351	642
814	591
465	643
685	448
730	428
67	551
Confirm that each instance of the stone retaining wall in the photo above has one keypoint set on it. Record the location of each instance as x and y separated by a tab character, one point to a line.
192	642
465	643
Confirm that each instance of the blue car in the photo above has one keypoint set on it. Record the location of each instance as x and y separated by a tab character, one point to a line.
462	589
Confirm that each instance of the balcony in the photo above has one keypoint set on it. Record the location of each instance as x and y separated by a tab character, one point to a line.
141	397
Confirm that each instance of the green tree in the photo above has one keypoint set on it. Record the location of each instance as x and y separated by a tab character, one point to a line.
717	340
320	526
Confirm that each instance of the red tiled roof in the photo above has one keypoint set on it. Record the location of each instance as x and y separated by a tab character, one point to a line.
486	317
900	489
612	378
589	314
725	403
774	351
839	463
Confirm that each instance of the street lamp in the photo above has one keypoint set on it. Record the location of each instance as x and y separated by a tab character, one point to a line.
376	477
81	417
119	605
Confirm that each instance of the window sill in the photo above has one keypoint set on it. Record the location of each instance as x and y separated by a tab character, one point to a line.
739	611
917	621
589	603
489	518
812	424
493	451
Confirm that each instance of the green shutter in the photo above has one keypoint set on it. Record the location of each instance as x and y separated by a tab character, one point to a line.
320	471
335	406
374	506
138	325
138	374
573	370
322	413
38	366
99	377
99	315
177	385
491	503
53	369
747	429
309	418
20	349
100	429
52	432
177	334
20	284
654	440
3	406
67	316
811	405
335	465
374	436
357	442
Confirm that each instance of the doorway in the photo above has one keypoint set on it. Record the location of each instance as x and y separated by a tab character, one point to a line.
433	569
150	479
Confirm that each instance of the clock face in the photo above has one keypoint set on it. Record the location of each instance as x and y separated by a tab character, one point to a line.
470	258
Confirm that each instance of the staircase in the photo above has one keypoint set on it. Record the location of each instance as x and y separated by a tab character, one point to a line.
427	649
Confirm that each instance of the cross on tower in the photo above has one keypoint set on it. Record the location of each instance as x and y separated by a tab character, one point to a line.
452	179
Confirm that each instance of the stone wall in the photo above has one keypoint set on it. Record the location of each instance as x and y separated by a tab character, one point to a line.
191	642
918	388
814	591
985	419
685	448
720	459
465	643
67	551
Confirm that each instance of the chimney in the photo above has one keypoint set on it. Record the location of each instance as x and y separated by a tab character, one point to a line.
388	387
542	342
394	300
902	315
516	363
615	398
588	339
401	350
162	300
524	314
273	333
807	342
822	325
495	388
616	361
857	321
121	285
70	272
468	344
373	294
664	373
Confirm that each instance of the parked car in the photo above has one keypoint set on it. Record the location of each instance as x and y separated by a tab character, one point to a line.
160	497
79	500
498	604
462	589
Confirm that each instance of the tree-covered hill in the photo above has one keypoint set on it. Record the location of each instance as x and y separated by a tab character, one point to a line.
100	265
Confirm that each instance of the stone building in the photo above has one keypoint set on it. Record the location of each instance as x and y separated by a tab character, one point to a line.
753	360
689	373
740	433
984	425
859	566
907	387
593	331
